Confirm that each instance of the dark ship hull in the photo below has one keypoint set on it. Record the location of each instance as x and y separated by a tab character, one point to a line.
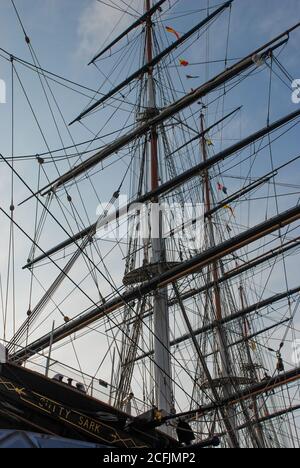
32	402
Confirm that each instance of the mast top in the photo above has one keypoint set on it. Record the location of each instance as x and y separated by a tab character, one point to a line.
155	61
137	23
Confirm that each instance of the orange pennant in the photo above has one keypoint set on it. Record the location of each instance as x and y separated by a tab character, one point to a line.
172	31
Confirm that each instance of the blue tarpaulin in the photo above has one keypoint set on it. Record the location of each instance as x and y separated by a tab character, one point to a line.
21	439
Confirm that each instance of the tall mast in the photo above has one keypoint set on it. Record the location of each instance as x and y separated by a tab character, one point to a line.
225	361
226	369
162	360
223	348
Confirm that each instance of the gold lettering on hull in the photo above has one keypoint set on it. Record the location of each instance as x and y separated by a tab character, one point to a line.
100	431
54	408
75	418
91	426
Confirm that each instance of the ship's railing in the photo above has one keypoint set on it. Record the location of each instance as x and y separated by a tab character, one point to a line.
95	387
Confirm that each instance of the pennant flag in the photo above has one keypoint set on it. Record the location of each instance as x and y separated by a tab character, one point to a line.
183	63
228	207
222	188
209	142
172	31
191	77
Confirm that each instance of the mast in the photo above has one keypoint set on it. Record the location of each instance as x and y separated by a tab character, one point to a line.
162	359
225	360
155	60
137	23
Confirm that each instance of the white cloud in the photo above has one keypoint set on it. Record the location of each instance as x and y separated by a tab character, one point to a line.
99	23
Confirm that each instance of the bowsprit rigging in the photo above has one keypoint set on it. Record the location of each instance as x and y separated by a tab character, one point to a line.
169	318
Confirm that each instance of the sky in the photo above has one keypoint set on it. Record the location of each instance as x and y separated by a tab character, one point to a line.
65	35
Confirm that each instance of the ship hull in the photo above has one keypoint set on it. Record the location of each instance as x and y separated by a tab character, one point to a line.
31	402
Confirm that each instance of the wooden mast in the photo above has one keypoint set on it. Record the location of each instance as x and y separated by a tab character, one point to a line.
162	359
225	361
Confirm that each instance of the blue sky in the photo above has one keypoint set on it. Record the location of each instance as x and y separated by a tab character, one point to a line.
65	35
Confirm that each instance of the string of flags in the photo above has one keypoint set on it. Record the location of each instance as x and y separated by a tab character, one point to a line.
185	63
224	189
182	61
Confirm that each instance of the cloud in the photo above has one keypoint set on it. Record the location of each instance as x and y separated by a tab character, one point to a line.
99	23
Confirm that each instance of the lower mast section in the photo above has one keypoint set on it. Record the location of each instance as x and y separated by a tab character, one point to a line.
162	357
